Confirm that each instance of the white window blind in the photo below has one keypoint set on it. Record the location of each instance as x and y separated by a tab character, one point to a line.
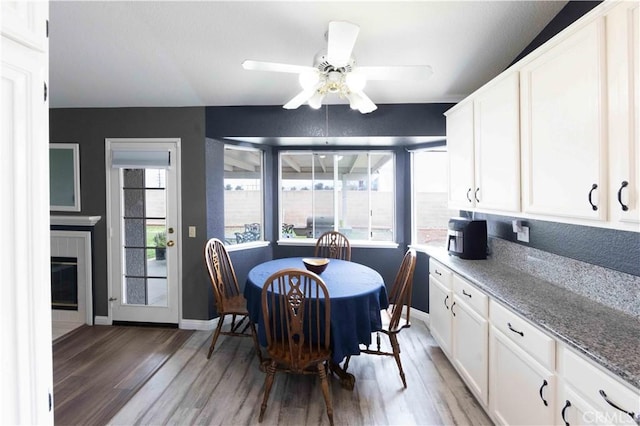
129	159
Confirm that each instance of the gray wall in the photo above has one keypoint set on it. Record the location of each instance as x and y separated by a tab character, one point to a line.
89	127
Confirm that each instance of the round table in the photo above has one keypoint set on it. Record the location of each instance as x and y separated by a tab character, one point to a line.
357	295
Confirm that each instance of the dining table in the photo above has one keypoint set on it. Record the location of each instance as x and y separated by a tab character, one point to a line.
357	294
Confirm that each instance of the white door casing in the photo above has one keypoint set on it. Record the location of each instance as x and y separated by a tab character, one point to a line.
120	309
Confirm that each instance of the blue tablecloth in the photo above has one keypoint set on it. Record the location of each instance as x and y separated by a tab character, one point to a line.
357	295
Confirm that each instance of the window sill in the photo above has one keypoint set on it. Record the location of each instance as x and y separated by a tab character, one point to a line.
311	242
247	246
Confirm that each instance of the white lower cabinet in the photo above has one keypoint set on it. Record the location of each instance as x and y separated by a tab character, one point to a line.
470	337
522	391
440	301
588	395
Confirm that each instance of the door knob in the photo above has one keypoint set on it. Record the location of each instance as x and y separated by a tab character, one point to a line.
170	243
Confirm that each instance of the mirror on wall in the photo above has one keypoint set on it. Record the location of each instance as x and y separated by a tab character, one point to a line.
64	177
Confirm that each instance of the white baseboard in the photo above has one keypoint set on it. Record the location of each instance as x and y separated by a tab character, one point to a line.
98	320
188	324
419	315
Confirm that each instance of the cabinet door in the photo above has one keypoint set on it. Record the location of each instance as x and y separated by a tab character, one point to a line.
623	68
471	348
497	146
563	129
575	411
460	150
440	300
522	392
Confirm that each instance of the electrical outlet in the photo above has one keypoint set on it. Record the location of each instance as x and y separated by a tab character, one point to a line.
523	235
192	232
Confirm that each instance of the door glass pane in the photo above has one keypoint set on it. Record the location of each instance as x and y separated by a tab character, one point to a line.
145	237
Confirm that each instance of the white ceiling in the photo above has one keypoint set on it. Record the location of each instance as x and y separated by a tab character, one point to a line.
150	53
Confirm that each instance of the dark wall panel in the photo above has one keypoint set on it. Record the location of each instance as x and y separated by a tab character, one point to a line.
274	121
89	127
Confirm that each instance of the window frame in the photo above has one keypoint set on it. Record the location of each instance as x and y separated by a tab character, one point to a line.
261	241
337	152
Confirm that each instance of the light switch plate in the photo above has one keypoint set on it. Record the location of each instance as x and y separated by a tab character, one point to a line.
192	232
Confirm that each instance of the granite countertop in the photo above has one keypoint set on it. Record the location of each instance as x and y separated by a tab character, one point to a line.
608	336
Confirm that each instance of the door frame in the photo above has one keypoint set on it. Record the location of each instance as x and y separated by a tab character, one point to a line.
110	225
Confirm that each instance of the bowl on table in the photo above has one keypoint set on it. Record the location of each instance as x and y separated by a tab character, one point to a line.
316	264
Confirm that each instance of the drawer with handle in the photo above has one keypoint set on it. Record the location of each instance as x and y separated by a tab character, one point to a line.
528	337
440	273
467	292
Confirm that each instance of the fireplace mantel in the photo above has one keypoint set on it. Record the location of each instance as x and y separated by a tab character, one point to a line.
75	220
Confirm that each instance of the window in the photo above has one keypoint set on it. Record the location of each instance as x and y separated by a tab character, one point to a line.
348	191
243	195
430	185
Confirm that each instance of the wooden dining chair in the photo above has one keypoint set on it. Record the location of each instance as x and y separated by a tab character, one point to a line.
392	321
297	309
334	245
228	299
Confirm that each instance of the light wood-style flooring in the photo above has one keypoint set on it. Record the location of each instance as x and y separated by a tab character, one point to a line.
96	370
228	389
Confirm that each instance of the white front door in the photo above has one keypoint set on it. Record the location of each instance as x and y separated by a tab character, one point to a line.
143	219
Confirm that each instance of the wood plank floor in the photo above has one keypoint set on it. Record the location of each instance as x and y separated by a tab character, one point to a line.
96	370
228	389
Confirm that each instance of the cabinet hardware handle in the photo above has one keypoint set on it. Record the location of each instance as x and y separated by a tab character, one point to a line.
634	416
544	383
454	304
469	192
113	299
466	294
593	188
514	330
475	195
622	186
564	410
445	302
438	272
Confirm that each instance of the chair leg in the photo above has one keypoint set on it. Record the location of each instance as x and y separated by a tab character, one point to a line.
268	382
324	383
254	336
215	335
396	354
346	362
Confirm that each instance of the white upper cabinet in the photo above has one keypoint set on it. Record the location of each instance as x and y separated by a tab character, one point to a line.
461	159
497	145
623	69
563	127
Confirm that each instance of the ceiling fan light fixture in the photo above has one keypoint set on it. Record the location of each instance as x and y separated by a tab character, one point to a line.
309	79
355	81
315	101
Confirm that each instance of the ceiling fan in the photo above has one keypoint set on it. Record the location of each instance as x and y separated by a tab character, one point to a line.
335	71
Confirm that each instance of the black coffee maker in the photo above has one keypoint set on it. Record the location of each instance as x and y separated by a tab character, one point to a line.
467	238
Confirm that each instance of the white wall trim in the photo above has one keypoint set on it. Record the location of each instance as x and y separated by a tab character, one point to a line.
100	320
422	316
204	325
75	220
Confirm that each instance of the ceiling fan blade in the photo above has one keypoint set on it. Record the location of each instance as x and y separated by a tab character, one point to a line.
397	72
361	102
341	39
301	98
274	66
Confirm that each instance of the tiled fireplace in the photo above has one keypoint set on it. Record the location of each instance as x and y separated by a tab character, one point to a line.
71	274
